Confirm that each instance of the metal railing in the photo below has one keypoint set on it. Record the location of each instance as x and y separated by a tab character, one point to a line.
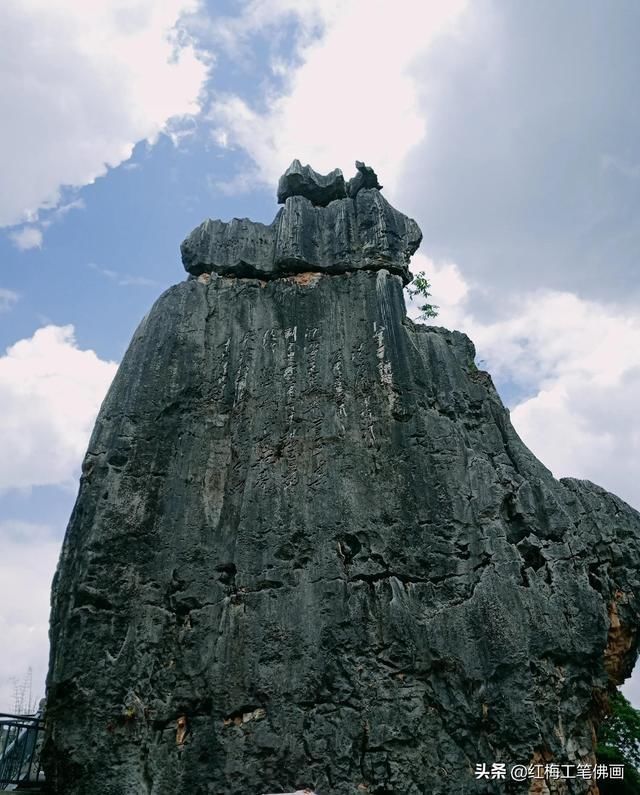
20	741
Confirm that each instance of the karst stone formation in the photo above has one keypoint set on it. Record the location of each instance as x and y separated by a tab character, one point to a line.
310	550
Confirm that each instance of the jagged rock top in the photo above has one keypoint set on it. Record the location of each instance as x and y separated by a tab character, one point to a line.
365	178
324	226
299	180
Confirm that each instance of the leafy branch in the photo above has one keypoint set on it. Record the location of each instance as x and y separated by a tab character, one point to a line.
421	286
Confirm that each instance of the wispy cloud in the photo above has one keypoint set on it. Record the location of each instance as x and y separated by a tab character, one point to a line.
123	279
137	281
180	128
7	299
109	274
59	213
26	238
241	182
620	166
31	236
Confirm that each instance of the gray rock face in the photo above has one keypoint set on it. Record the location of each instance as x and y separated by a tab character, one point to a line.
299	180
360	233
309	550
365	178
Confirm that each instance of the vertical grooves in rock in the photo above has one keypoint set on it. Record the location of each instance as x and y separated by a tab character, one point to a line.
307	529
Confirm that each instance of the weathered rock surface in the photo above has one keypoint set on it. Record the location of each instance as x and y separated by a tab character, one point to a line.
365	178
364	232
320	189
309	550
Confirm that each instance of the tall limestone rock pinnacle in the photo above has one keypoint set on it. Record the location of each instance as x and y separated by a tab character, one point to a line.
310	551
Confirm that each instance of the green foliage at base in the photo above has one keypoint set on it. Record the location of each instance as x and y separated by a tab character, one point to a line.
619	744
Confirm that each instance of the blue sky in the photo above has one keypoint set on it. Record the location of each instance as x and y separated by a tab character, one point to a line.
102	265
509	131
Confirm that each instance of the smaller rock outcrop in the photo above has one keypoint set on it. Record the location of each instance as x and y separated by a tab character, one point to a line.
361	231
299	180
365	178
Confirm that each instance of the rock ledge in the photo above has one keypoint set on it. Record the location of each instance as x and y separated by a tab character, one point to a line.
319	228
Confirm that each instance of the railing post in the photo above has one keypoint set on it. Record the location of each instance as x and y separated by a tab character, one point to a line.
19	748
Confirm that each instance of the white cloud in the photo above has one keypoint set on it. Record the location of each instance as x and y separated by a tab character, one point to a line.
449	291
353	96
83	82
7	299
26	238
585	427
578	362
50	392
29	556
